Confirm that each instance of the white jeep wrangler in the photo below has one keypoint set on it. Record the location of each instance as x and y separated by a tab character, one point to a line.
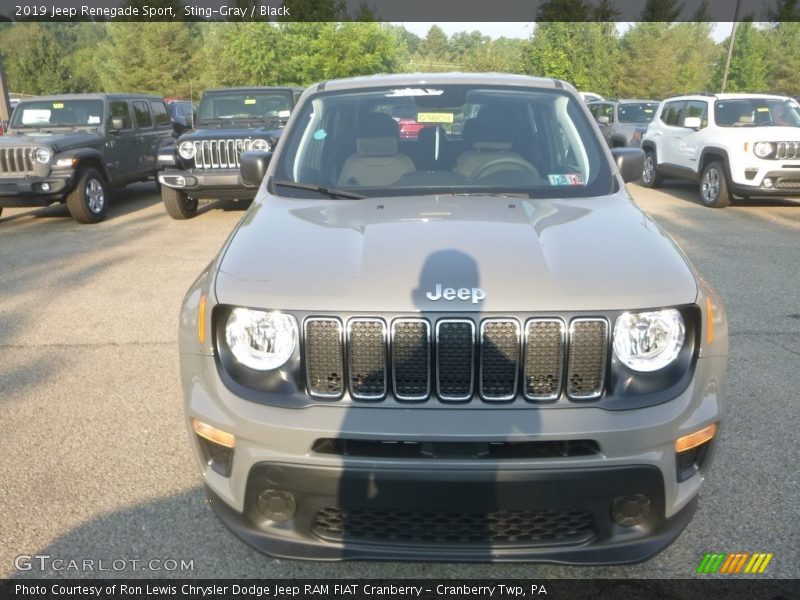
732	144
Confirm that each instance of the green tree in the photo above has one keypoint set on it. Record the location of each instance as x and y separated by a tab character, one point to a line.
434	51
748	68
664	11
34	60
350	49
563	10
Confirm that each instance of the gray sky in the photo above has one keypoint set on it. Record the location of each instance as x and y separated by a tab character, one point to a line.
522	30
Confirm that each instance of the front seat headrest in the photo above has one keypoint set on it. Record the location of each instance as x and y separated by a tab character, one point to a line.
377	135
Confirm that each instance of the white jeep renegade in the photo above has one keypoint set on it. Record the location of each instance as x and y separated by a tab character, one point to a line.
732	144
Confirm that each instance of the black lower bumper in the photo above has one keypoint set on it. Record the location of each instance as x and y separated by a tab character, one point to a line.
786	184
557	516
34	191
220	184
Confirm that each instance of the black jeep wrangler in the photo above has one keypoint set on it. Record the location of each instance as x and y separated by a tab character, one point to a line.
74	148
204	163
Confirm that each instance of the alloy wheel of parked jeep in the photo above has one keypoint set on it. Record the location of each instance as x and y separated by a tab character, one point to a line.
88	202
650	176
178	205
714	186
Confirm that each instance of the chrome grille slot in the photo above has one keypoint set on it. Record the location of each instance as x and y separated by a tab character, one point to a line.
411	359
16	161
499	359
455	359
366	356
588	346
324	357
220	154
544	359
787	150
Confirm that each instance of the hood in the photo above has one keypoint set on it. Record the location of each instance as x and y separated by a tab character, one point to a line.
222	133
391	254
58	140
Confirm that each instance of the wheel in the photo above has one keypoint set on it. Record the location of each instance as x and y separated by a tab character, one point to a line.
650	176
178	205
88	202
714	186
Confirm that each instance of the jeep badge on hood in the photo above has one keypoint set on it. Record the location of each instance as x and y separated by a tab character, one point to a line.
477	294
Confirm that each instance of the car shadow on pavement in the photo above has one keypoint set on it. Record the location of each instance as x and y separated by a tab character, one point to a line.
225	205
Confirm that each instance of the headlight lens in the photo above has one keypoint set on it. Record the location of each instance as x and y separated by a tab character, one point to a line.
261	340
43	155
649	341
187	150
260	145
763	149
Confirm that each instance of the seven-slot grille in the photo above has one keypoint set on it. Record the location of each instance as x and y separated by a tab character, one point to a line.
414	359
220	154
16	161
787	150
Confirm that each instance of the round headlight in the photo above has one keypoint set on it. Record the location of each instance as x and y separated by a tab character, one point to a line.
43	155
763	149
649	341
261	340
260	145
187	150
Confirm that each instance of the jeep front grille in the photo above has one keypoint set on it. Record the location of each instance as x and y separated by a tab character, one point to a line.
787	150
453	363
16	161
220	154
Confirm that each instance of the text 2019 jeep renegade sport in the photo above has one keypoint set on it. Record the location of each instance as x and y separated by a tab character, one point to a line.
470	345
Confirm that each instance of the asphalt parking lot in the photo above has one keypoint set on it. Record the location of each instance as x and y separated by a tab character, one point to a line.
94	454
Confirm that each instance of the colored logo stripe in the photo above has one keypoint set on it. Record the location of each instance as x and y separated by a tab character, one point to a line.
734	563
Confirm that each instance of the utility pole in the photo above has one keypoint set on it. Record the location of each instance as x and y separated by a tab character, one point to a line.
730	44
5	103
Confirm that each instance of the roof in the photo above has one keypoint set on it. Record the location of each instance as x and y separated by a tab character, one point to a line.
406	79
97	96
736	96
281	88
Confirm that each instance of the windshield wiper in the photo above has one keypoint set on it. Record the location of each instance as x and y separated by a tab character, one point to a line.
330	192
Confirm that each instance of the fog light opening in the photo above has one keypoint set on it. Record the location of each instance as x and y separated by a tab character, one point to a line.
631	510
767	182
45	187
277	505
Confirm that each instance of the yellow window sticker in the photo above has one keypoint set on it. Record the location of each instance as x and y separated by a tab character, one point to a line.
58	105
434	117
249	100
762	109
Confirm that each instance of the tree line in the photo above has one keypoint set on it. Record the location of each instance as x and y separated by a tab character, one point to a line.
647	60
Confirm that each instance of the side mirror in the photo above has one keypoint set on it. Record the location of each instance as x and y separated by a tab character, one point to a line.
253	166
630	162
692	122
604	120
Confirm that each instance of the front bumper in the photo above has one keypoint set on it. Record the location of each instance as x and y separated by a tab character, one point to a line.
29	191
225	184
785	182
276	449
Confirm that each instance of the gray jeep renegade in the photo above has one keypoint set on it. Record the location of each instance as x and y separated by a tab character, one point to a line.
73	148
467	346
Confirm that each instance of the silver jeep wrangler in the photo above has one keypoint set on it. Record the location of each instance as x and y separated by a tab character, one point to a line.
469	345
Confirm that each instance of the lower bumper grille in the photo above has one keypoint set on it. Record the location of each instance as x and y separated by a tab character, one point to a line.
406	360
787	184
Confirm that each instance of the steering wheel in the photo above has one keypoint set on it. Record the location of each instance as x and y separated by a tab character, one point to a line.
510	162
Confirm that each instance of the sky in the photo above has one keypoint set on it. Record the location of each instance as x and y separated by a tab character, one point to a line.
522	30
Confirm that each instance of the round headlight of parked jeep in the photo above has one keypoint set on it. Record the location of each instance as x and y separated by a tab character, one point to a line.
187	150
259	339
649	341
260	145
43	155
763	149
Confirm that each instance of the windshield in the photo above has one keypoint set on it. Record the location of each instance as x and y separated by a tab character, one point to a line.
472	139
58	113
251	105
639	112
757	112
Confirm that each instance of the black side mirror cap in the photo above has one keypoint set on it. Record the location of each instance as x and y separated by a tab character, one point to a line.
253	167
630	162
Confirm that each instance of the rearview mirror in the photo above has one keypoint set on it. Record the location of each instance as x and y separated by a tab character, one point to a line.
630	162
253	166
692	122
603	120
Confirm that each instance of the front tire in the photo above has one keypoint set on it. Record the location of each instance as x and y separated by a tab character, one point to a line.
651	178
88	202
178	205
714	186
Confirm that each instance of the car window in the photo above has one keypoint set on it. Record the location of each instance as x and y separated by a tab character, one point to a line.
160	115
696	108
142	114
119	108
637	112
604	110
757	112
673	113
58	113
245	105
466	138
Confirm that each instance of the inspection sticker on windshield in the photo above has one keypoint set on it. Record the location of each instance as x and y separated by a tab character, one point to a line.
566	179
434	117
249	100
58	105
